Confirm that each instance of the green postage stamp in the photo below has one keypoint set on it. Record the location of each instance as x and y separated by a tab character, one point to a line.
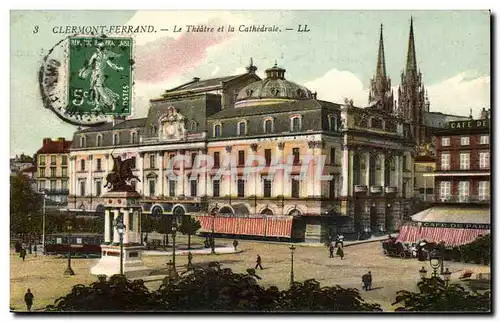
100	75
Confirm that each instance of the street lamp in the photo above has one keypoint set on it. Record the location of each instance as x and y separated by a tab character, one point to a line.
69	270
174	232
423	273
212	240
435	261
447	276
30	228
120	227
292	250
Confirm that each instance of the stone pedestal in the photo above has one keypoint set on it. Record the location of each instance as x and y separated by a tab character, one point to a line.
124	206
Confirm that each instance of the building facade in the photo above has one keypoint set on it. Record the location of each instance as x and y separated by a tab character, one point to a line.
53	170
368	158
463	162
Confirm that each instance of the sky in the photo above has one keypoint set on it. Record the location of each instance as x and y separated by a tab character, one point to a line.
337	58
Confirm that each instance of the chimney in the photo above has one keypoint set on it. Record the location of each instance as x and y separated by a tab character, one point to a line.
196	79
46	141
61	139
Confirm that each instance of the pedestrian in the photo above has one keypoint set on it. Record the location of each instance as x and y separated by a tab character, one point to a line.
259	262
339	240
235	245
332	249
35	249
28	299
370	281
365	280
340	252
22	253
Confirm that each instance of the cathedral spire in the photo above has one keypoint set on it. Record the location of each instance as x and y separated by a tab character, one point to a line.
380	95
411	58
381	72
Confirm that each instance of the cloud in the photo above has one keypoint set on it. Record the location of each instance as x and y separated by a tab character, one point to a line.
455	95
161	59
459	94
336	85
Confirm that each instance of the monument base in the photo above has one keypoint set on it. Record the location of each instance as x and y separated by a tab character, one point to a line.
109	264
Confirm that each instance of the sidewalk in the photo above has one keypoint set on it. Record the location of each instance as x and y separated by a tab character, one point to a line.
348	243
185	252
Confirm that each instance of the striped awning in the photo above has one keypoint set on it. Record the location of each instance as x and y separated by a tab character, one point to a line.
265	226
451	236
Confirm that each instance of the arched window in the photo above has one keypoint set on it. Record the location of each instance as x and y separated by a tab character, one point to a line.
217	130
242	128
268	126
332	123
296	123
133	137
116	138
355	169
99	140
193	126
372	170
83	141
387	171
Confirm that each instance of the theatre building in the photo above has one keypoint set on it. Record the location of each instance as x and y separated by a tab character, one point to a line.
462	185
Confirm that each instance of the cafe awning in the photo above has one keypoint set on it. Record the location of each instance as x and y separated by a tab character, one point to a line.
264	226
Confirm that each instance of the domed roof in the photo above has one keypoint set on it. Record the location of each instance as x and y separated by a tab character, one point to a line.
274	86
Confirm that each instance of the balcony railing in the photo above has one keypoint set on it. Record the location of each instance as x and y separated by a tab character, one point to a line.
391	189
463	199
376	189
360	188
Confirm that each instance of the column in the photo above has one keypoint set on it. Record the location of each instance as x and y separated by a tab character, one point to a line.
367	174
107	231
317	183
127	225
141	173
161	189
182	177
279	179
116	237
382	171
346	163
397	174
401	182
202	183
137	231
72	176
89	178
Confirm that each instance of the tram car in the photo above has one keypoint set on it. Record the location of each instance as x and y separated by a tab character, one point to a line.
82	244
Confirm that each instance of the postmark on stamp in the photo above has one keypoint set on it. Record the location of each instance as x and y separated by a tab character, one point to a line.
100	75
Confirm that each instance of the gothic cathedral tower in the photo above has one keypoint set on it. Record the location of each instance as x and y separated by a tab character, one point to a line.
411	94
381	95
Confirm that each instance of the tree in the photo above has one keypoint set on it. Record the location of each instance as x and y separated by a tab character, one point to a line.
210	289
163	226
434	296
189	227
146	224
25	206
116	294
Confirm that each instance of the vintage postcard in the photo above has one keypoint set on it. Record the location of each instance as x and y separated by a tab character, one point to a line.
250	161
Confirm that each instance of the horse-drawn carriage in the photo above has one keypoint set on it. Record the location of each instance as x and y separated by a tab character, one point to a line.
395	248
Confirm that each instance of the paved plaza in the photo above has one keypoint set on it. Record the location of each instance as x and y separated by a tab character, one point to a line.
44	274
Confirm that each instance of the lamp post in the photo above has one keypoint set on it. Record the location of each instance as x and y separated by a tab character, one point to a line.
447	276
435	261
423	273
174	232
30	231
292	250
43	222
69	270
212	240
120	227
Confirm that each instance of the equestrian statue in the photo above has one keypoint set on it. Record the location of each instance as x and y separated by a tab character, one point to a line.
118	179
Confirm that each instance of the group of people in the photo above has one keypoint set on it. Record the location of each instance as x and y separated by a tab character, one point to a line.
21	249
339	244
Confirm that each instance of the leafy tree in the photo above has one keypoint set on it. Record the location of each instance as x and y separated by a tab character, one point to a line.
163	226
210	289
146	224
434	296
189	227
25	203
116	294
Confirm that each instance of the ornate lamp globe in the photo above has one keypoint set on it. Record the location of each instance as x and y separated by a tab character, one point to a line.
435	259
292	248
